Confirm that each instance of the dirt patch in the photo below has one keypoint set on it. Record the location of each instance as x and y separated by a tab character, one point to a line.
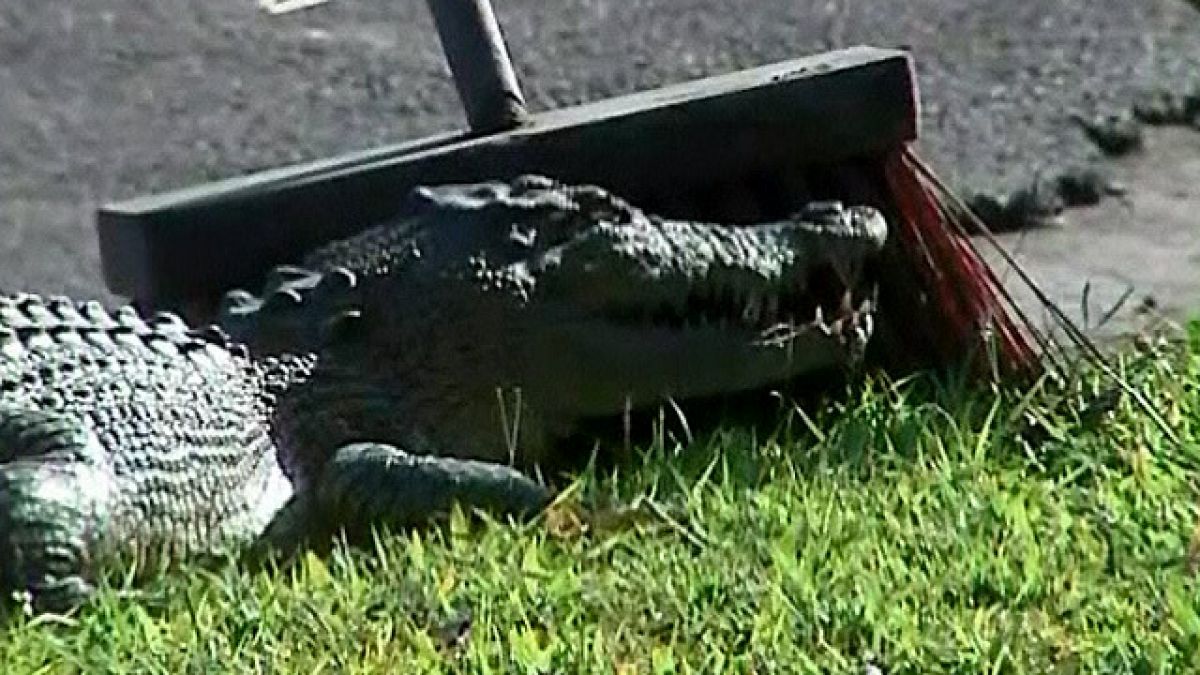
1125	264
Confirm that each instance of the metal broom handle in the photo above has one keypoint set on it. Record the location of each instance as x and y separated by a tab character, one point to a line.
478	58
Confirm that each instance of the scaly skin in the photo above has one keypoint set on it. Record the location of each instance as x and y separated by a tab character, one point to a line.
399	372
583	302
127	439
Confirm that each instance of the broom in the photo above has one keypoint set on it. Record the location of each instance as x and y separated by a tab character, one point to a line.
969	312
969	315
172	251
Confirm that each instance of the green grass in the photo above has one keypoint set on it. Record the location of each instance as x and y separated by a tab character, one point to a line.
902	524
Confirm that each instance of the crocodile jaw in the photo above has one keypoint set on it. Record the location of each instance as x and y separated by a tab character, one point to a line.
595	368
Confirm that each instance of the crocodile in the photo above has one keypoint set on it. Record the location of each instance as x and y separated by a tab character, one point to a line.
433	360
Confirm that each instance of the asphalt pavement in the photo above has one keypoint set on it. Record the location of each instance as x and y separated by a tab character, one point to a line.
111	98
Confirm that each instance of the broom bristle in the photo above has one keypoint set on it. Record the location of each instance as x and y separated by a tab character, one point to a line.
978	316
936	246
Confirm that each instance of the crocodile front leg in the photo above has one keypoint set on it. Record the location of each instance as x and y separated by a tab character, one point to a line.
56	492
374	484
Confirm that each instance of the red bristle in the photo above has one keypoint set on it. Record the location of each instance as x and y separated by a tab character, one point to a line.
964	288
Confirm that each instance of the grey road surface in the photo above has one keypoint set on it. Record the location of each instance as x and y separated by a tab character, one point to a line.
111	98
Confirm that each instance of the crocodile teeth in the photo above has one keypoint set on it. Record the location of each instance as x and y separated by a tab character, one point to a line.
238	301
284	275
865	327
847	306
337	280
284	298
836	327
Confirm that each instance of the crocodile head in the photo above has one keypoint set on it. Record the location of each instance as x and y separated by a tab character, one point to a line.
585	303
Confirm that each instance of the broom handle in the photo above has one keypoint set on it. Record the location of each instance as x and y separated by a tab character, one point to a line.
483	74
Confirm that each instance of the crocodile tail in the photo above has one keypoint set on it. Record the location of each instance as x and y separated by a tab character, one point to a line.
30	322
295	313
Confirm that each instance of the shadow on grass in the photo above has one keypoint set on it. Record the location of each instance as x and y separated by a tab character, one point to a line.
857	427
